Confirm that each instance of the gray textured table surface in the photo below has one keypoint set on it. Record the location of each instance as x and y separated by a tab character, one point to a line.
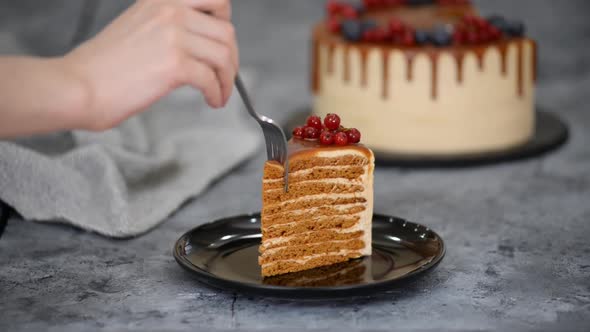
517	234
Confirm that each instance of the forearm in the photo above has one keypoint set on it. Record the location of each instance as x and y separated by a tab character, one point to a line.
38	96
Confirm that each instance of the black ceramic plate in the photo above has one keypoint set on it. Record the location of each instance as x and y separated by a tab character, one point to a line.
550	133
4	212
224	254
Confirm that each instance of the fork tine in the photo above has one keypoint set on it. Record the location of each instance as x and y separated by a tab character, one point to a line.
274	136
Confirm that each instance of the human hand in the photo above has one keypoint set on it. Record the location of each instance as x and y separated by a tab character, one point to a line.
151	49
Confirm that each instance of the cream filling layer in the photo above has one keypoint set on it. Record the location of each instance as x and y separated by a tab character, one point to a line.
294	222
286	239
334	181
270	252
308	171
359	194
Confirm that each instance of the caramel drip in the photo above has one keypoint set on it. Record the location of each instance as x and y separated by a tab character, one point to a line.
346	63
434	78
459	58
410	66
520	68
535	54
315	63
331	49
364	57
479	56
385	54
503	48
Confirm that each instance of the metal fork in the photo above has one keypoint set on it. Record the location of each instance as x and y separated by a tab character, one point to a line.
274	136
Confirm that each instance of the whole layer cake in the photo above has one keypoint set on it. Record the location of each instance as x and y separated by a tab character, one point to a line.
325	217
425	77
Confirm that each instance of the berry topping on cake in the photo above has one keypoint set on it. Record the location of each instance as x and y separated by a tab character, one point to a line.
298	132
441	37
314	121
332	121
421	37
354	135
311	133
341	138
327	137
352	30
360	21
327	132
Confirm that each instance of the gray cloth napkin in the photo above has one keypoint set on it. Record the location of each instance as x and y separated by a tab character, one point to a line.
125	181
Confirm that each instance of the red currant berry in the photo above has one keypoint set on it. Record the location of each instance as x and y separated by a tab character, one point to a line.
354	135
298	132
349	12
333	7
472	37
480	23
459	36
407	38
370	35
334	25
341	138
315	122
483	36
327	138
495	33
311	133
396	27
332	121
469	20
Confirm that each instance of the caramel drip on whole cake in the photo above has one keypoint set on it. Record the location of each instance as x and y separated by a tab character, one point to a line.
534	69
520	68
331	49
315	63
459	57
434	78
503	49
479	54
346	63
410	67
364	57
385	73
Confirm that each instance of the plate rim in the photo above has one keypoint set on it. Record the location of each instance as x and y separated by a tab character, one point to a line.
218	282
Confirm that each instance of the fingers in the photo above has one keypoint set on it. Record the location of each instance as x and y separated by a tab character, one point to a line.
218	8
217	56
213	28
202	77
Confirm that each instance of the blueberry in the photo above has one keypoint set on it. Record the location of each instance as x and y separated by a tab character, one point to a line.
420	2
368	25
421	37
514	29
497	21
352	30
441	37
359	7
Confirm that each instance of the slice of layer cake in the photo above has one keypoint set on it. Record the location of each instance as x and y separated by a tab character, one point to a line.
325	217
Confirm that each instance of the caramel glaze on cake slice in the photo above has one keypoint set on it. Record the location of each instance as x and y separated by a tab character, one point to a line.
325	218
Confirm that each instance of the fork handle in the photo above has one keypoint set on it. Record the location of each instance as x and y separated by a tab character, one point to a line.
245	97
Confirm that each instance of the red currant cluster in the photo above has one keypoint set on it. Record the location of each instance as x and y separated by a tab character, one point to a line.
396	32
475	30
329	132
337	9
391	3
